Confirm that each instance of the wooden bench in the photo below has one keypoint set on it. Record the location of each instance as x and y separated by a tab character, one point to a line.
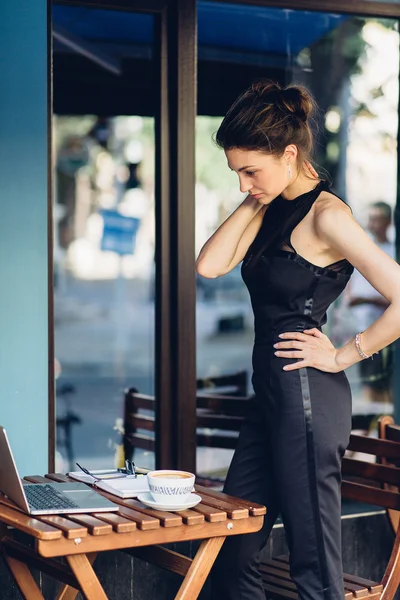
375	483
219	419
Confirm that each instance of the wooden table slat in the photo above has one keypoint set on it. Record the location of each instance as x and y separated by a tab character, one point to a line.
142	520
119	523
70	529
95	526
232	512
191	517
167	519
59	477
256	510
36	479
211	514
24	522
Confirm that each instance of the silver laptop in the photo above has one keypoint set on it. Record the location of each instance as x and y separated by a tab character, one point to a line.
46	498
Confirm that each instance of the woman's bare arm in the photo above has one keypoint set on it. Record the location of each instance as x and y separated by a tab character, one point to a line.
336	226
227	247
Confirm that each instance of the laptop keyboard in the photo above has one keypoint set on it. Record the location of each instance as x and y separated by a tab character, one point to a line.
43	497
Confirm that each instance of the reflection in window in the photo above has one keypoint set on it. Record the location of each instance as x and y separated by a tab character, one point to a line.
103	269
103	229
351	65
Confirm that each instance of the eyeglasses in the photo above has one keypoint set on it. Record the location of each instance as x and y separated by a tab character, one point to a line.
130	470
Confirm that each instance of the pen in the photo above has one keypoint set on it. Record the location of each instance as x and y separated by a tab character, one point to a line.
130	467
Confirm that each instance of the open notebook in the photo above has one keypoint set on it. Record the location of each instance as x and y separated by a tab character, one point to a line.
125	487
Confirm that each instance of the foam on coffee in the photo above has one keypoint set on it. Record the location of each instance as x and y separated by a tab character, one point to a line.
178	475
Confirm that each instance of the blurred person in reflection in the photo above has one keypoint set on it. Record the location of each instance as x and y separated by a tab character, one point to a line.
297	242
367	305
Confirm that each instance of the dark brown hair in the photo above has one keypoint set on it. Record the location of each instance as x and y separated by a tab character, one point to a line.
267	118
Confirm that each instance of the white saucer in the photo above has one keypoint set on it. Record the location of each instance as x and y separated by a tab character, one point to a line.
148	500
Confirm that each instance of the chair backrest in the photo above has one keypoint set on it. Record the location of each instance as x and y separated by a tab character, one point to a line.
232	384
135	420
377	483
389	431
219	419
364	479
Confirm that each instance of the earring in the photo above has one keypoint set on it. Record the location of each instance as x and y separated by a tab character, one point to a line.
289	172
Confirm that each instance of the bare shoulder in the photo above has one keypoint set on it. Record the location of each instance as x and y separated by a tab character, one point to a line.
330	211
327	202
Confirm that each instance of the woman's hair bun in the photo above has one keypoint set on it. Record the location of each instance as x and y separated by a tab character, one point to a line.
294	99
265	87
267	118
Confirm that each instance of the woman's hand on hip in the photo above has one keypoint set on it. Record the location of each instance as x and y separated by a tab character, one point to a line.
312	347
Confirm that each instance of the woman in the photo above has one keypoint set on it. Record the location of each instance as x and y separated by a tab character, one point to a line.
298	242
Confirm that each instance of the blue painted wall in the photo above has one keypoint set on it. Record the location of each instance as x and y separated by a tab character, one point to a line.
23	231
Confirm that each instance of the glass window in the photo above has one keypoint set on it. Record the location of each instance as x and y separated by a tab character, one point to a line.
351	66
103	229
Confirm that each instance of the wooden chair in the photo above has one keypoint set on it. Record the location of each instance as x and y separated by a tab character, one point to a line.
389	431
376	483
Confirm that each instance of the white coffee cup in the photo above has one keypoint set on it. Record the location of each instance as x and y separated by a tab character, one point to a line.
170	487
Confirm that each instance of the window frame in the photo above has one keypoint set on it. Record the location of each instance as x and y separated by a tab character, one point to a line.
175	302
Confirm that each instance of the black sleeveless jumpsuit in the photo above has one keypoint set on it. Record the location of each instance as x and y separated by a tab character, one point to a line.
290	447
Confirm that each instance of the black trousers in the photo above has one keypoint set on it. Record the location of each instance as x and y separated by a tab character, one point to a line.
288	457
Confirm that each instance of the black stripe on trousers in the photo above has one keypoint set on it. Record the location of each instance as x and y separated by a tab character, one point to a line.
312	477
312	472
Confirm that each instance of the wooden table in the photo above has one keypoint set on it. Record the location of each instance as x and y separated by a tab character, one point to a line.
135	529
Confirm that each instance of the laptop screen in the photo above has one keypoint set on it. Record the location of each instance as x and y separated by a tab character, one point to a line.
10	482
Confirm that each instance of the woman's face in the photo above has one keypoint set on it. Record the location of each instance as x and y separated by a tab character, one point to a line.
262	175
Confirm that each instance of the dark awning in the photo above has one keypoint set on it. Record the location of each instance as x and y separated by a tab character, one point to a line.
103	58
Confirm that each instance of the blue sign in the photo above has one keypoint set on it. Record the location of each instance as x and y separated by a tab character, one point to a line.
119	232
